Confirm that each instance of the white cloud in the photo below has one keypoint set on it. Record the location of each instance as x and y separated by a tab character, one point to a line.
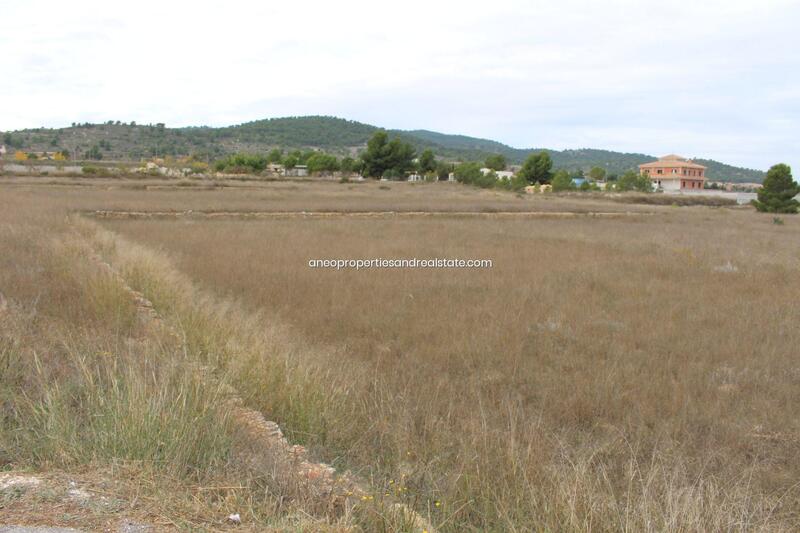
713	78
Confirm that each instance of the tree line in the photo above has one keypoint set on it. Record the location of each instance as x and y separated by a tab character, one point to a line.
392	158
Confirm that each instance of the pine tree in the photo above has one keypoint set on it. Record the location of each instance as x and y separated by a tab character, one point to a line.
537	168
777	194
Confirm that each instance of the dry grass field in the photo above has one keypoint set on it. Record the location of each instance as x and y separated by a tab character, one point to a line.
606	374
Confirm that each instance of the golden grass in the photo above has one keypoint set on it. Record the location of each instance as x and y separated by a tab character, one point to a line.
633	374
164	195
86	386
605	374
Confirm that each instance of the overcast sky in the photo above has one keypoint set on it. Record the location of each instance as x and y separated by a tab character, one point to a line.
703	78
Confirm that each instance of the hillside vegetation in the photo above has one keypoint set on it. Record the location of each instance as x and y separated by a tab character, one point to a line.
120	141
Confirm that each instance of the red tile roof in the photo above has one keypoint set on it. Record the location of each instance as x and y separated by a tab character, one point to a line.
672	161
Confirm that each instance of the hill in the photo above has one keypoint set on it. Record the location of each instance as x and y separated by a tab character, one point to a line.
121	141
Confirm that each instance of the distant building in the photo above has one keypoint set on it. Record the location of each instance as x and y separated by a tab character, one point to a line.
674	173
2	150
299	171
415	177
501	174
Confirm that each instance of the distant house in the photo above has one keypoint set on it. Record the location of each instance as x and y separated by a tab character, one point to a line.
299	171
415	177
674	173
501	174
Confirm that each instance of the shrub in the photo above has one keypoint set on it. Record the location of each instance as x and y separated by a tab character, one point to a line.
322	162
562	181
241	163
468	173
631	181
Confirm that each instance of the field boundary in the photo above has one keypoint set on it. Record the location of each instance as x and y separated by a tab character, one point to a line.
248	215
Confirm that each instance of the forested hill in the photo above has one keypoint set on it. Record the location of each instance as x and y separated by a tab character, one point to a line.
121	141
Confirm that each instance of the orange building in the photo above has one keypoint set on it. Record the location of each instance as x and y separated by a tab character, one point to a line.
674	173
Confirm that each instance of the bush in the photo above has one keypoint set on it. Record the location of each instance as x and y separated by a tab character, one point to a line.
241	163
562	181
468	173
631	181
322	162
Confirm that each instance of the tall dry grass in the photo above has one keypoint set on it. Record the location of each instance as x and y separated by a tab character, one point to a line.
86	386
604	375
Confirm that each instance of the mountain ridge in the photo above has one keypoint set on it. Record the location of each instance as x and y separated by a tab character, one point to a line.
340	136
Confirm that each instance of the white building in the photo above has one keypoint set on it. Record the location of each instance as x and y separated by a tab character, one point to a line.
298	171
501	174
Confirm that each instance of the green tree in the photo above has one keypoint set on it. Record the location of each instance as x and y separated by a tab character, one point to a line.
496	162
291	161
347	164
597	174
275	156
322	162
387	158
427	162
12	141
516	183
631	181
468	173
305	156
777	194
241	163
443	170
377	158
562	181
94	153
537	168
